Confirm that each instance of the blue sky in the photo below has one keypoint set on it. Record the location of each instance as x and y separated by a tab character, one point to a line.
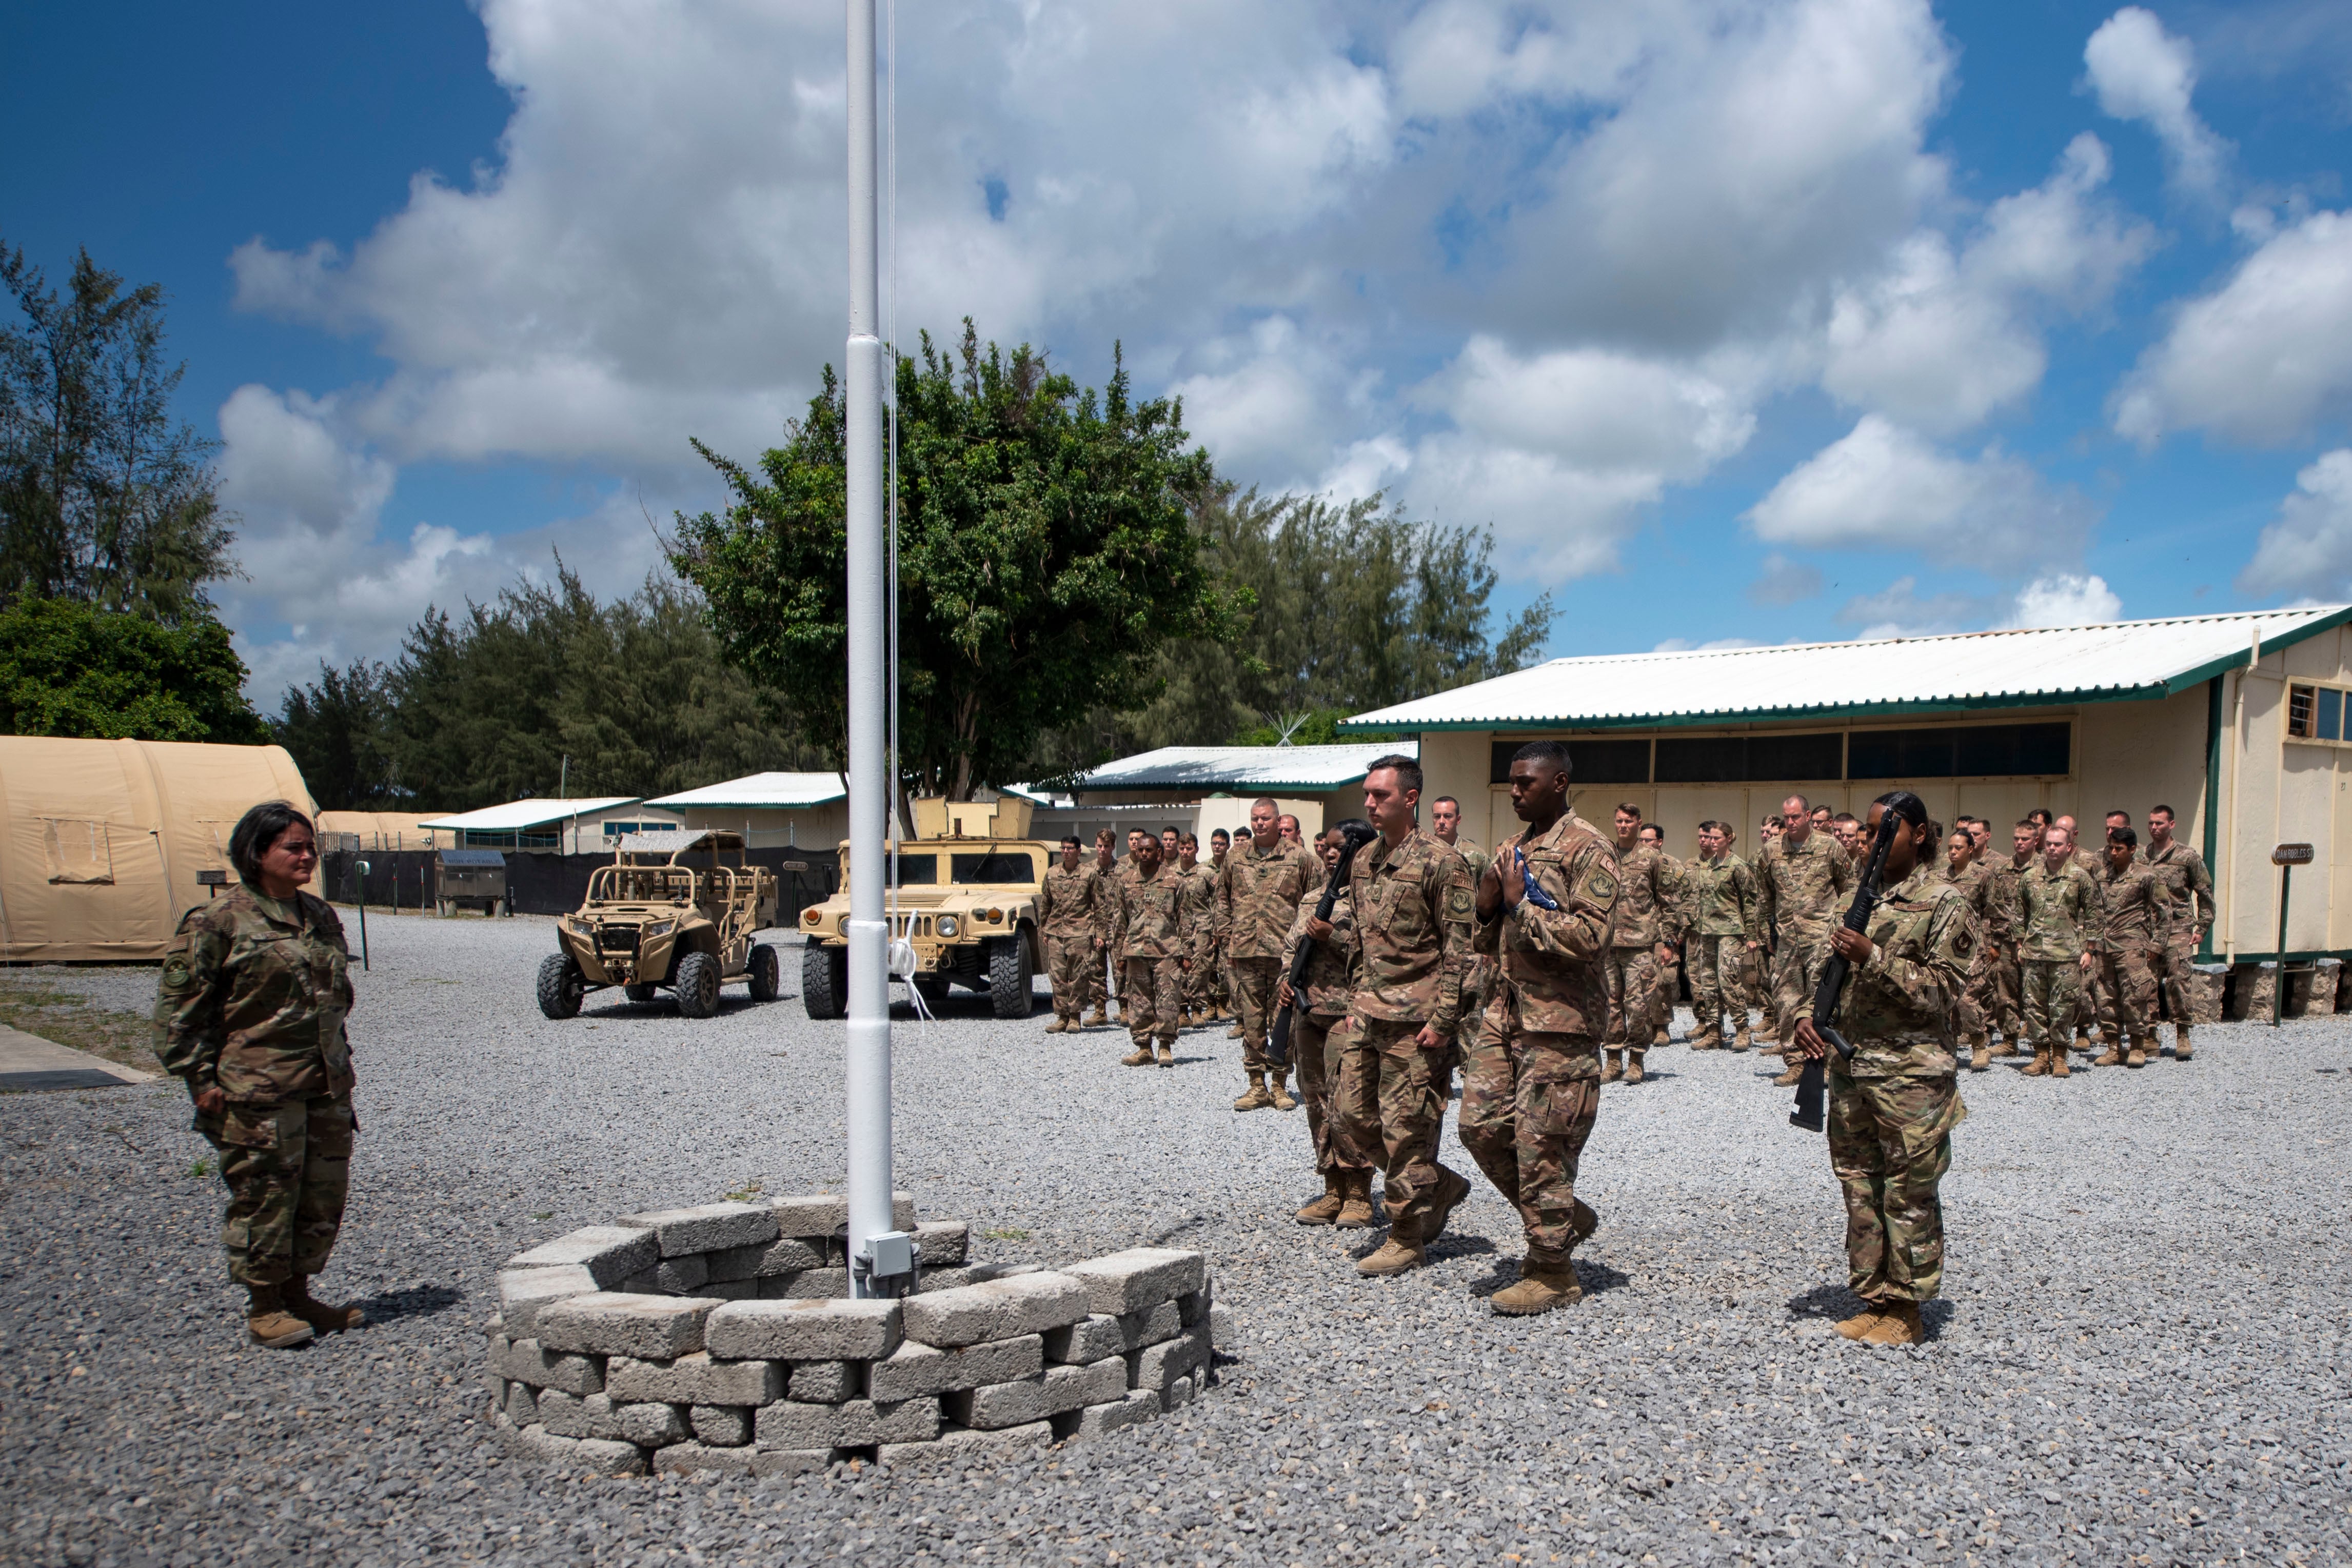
1757	322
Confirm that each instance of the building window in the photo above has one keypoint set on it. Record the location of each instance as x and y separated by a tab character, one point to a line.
1589	761
2315	713
1961	751
1749	759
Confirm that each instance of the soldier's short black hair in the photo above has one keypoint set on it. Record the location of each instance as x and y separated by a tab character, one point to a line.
1800	801
1842	817
2040	817
1407	769
2122	836
1904	804
1554	752
1070	841
1709	826
1446	801
2114	811
1654	827
1221	833
2167	810
258	829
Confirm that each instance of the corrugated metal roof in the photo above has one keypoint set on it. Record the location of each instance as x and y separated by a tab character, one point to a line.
472	858
519	814
760	791
1208	768
669	841
2118	660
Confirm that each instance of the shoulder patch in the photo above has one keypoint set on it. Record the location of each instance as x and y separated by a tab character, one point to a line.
1601	885
1964	942
1457	901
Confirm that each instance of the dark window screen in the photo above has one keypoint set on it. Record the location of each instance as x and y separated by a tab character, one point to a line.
1977	751
2331	714
1591	761
1710	760
1776	756
1005	867
1741	758
917	870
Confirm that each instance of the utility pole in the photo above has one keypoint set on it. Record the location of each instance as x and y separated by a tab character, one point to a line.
881	1257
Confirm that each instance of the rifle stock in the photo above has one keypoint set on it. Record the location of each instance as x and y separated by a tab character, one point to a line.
1813	1081
1277	1039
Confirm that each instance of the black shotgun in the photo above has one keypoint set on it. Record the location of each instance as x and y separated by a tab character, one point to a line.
1353	837
1813	1085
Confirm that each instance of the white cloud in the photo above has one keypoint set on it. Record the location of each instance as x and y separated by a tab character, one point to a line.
1899	609
2309	548
2143	73
2064	599
1784	581
2263	358
1685	645
1883	486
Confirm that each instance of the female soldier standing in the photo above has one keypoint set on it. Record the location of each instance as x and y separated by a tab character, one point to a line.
250	1012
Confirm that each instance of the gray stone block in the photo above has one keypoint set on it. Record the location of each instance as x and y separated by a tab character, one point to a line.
997	1405
976	1272
789	1461
685	1459
707	1226
931	1279
1224	1335
679	1276
914	1370
788	1255
806	1219
650	1426
1151	1326
721	1426
526	1361
831	1382
1181	1392
645	1284
1089	1339
956	1444
855	1424
651	1328
1198	1304
1158	1366
577	1454
995	1309
731	1290
592	1417
830	1330
522	1404
1137	1406
945	1242
524	1292
809	1285
610	1253
1138	1278
695	1379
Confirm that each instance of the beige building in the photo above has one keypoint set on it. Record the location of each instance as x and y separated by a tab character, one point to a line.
1203	787
2237	722
772	810
578	827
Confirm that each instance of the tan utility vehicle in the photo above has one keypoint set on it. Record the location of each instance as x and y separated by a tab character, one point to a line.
670	911
966	902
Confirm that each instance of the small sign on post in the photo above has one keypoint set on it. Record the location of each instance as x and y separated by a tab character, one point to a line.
2286	857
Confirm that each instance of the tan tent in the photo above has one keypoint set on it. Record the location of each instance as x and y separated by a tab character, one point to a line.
386	829
102	841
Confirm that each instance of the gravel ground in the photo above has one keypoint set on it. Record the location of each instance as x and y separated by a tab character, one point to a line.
2138	1358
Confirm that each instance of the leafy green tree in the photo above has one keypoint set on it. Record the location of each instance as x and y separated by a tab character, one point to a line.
1044	554
102	498
72	669
338	730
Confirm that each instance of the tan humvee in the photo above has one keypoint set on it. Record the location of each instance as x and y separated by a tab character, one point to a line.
670	911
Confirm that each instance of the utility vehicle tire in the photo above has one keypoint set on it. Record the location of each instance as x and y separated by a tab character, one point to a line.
825	981
1008	977
641	993
696	982
560	986
766	974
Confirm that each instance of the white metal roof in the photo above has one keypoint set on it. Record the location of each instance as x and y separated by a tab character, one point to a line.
516	815
2118	661
760	791
1244	767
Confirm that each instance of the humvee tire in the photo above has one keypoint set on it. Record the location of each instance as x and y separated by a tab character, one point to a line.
560	986
825	981
1008	977
766	976
641	993
696	982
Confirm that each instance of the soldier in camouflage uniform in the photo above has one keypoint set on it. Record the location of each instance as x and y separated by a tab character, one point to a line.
1221	990
1152	931
1413	899
1723	923
1445	825
1668	991
1200	887
1532	1086
1257	898
1803	877
1964	870
1892	1106
2191	887
1098	991
1068	914
2007	965
250	1012
1316	1014
2060	945
1649	919
2137	917
2091	996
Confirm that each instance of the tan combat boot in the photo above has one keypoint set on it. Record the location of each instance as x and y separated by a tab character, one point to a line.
1140	1057
1279	1085
1705	1038
1452	1187
1664	1036
1257	1099
324	1316
1634	1066
2040	1066
1616	1068
1789	1078
1863	1322
1980	1056
2137	1055
1325	1209
1898	1323
2115	1055
2058	1067
1741	1039
1061	1025
1167	1054
1582	1222
1100	1017
1356	1205
1546	1280
268	1321
2181	1043
1402	1251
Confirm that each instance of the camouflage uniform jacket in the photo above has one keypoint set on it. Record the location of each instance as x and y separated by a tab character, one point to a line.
1801	884
1719	899
1976	883
1553	979
2189	884
1066	904
1152	919
2137	910
1649	898
2009	896
1901	1007
1477	859
2062	912
1258	894
1331	967
253	997
1200	900
1414	908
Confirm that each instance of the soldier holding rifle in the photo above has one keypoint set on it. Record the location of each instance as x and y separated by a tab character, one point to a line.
1318	1008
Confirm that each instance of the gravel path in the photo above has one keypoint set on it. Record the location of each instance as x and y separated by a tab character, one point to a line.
2139	1358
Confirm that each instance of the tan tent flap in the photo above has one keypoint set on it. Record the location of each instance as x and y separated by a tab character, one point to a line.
385	830
101	841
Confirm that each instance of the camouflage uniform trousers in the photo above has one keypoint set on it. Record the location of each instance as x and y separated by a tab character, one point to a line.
1068	961
1633	988
2052	988
1318	1043
2007	987
1719	965
288	1168
1154	1000
1389	1102
1796	971
1890	1144
2092	1000
1201	979
1528	1108
1254	983
2176	973
2128	993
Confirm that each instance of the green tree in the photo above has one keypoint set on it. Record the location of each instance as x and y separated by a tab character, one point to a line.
1044	554
338	730
70	668
102	498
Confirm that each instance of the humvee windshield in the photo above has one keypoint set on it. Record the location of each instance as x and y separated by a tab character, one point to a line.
1000	865
917	870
